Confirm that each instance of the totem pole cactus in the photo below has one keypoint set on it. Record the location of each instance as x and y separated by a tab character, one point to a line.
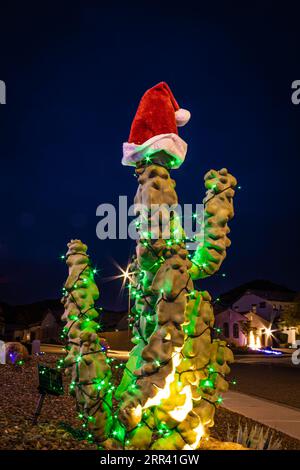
86	360
173	380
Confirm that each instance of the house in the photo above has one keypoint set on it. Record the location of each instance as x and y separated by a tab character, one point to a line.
262	305
42	320
247	329
267	305
231	323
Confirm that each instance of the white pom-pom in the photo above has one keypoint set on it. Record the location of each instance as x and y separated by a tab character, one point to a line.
182	116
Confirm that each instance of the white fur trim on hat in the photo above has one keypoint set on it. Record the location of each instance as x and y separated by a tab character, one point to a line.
172	144
182	116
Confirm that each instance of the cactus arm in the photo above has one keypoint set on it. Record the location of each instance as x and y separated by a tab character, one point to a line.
218	204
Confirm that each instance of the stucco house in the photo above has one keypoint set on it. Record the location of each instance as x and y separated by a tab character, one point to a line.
264	305
42	320
47	329
258	305
248	329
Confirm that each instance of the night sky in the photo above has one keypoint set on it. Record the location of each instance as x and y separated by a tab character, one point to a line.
74	77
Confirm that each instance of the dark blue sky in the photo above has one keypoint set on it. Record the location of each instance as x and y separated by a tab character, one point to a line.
74	77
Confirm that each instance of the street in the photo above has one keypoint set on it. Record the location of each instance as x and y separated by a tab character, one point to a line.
272	378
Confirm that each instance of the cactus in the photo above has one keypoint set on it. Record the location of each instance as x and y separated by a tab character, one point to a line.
86	361
176	372
175	375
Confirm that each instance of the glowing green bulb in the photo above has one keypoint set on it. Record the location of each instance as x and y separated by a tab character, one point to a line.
208	383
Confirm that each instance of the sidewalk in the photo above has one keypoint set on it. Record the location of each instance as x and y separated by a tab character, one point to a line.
280	417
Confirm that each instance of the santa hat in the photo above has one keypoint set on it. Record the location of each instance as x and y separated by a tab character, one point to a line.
154	129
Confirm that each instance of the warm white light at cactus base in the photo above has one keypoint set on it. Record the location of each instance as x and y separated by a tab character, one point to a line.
174	378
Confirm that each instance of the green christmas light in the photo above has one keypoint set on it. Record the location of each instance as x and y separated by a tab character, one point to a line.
207	383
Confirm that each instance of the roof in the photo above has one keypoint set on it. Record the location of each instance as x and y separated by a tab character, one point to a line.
260	287
258	318
235	312
111	320
24	316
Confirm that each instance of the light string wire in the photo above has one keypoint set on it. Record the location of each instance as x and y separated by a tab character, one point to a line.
97	399
98	403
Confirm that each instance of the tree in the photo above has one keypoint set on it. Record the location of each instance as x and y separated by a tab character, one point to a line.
291	314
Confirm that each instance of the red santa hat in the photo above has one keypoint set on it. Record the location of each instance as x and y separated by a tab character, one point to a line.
154	129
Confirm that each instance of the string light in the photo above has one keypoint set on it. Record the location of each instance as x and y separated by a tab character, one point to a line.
137	292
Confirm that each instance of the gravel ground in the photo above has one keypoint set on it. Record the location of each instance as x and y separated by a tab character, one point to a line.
271	381
18	397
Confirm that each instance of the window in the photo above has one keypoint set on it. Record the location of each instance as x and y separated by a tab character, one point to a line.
236	330
262	304
226	330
